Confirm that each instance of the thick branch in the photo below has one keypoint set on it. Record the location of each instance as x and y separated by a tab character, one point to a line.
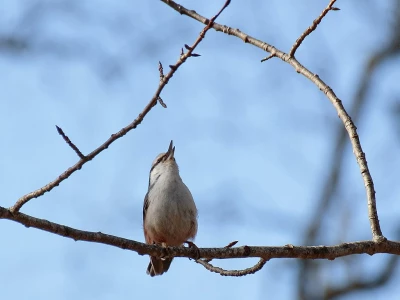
337	103
290	251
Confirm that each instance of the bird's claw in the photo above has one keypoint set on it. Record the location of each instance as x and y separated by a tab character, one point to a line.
193	245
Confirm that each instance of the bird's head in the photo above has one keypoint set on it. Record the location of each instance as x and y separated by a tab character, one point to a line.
164	162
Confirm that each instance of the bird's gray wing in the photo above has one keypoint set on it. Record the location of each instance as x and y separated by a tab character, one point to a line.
145	205
146	198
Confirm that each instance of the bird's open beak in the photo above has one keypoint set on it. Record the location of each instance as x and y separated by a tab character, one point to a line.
171	150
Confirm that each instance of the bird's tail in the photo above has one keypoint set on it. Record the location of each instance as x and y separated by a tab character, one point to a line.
158	266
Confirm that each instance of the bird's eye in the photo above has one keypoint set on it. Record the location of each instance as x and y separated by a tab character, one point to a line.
161	159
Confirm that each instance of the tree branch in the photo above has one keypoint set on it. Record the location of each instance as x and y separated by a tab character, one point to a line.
163	82
330	185
337	103
265	252
310	29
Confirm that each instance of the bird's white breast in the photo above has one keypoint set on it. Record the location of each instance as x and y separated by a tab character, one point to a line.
171	211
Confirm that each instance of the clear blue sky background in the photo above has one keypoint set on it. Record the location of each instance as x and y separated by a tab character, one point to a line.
253	141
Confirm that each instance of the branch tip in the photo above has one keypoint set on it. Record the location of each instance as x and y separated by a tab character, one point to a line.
310	29
268	57
70	143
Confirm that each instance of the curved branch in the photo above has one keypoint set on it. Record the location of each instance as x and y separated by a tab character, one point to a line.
234	273
337	103
337	160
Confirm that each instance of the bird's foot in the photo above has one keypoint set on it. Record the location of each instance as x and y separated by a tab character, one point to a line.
193	245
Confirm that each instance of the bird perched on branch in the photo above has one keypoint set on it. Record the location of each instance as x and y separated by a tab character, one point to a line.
169	211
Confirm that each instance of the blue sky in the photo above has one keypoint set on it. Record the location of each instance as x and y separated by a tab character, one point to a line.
253	141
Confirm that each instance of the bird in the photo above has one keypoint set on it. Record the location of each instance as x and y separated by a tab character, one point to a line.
169	211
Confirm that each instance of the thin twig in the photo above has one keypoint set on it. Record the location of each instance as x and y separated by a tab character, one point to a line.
48	187
234	273
71	144
337	103
161	70
160	100
310	29
266	252
268	57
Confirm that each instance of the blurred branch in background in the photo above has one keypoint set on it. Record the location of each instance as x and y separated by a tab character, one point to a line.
371	281
307	269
